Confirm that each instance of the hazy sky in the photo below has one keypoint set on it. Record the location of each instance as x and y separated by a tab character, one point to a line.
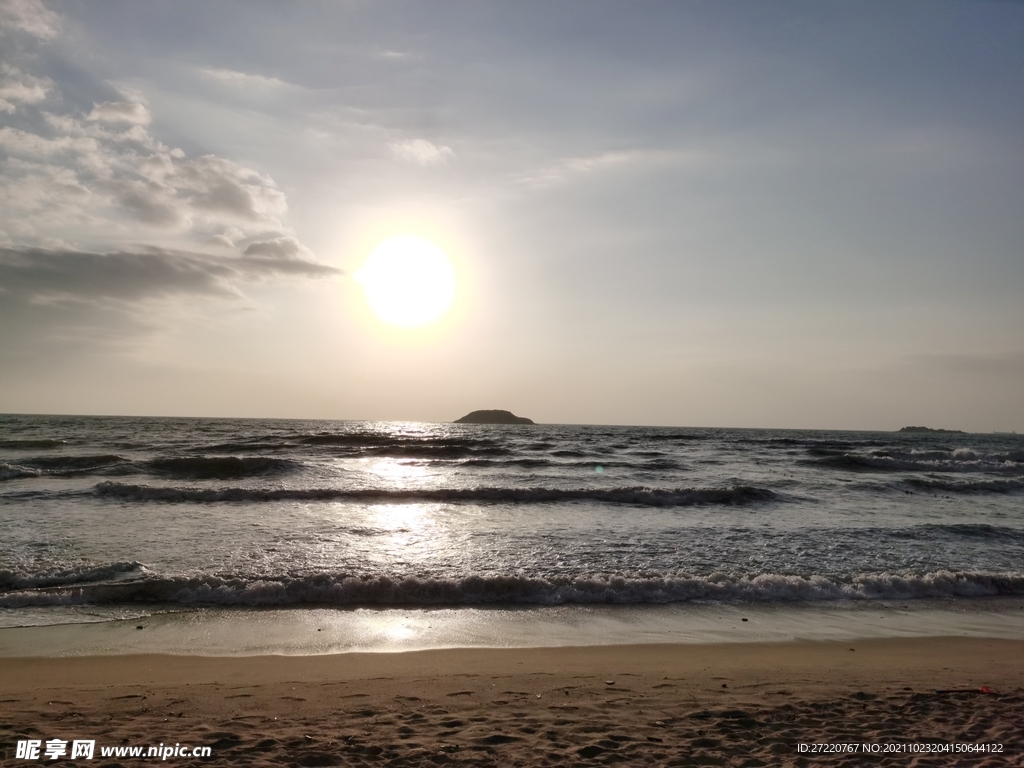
785	214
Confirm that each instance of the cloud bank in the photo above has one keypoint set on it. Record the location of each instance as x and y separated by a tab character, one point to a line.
41	275
82	186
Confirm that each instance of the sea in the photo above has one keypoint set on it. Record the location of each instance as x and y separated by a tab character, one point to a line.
123	534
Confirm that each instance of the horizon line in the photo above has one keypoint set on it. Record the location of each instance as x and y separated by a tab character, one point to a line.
939	430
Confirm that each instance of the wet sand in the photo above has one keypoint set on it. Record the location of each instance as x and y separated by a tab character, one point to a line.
732	704
217	631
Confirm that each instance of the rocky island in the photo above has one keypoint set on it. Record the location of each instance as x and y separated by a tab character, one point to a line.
493	417
929	429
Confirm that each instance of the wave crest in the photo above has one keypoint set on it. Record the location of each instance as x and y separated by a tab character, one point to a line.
68	576
636	496
931	461
218	467
346	589
36	443
16	471
977	486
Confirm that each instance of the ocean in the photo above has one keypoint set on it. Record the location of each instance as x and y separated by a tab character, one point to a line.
482	534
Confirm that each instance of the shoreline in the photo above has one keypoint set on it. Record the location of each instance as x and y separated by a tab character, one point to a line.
299	631
737	703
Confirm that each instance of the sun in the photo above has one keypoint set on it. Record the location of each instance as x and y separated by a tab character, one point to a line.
408	281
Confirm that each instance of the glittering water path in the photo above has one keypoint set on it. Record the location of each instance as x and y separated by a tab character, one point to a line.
106	517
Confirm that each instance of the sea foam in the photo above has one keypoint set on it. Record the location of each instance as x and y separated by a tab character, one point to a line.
511	589
636	496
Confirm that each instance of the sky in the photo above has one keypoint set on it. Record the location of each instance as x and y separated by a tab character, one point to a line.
734	214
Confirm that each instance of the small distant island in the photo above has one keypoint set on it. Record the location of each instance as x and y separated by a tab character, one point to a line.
929	429
493	417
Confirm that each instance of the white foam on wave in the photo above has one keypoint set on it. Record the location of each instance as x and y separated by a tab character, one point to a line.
33	443
636	495
16	472
78	574
1009	485
919	460
380	590
219	467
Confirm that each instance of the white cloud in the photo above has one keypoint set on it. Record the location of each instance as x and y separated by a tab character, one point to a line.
244	79
29	16
150	202
98	173
120	112
574	166
220	241
25	144
279	248
567	169
420	151
221	189
75	185
17	87
41	198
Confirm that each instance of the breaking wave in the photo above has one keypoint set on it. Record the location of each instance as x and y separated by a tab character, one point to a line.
16	471
368	443
433	451
976	531
977	486
636	496
180	467
527	463
38	443
347	589
537	463
243	446
219	467
72	464
39	466
672	437
80	574
960	460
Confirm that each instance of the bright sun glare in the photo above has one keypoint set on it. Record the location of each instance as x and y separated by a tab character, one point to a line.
408	282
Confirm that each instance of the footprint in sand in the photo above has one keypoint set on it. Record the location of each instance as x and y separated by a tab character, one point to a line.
497	738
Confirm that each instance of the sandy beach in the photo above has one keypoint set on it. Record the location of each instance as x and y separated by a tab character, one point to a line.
732	704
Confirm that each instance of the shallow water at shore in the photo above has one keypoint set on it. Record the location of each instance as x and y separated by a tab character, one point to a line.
310	631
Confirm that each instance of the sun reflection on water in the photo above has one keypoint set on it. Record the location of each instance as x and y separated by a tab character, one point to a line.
408	518
401	473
